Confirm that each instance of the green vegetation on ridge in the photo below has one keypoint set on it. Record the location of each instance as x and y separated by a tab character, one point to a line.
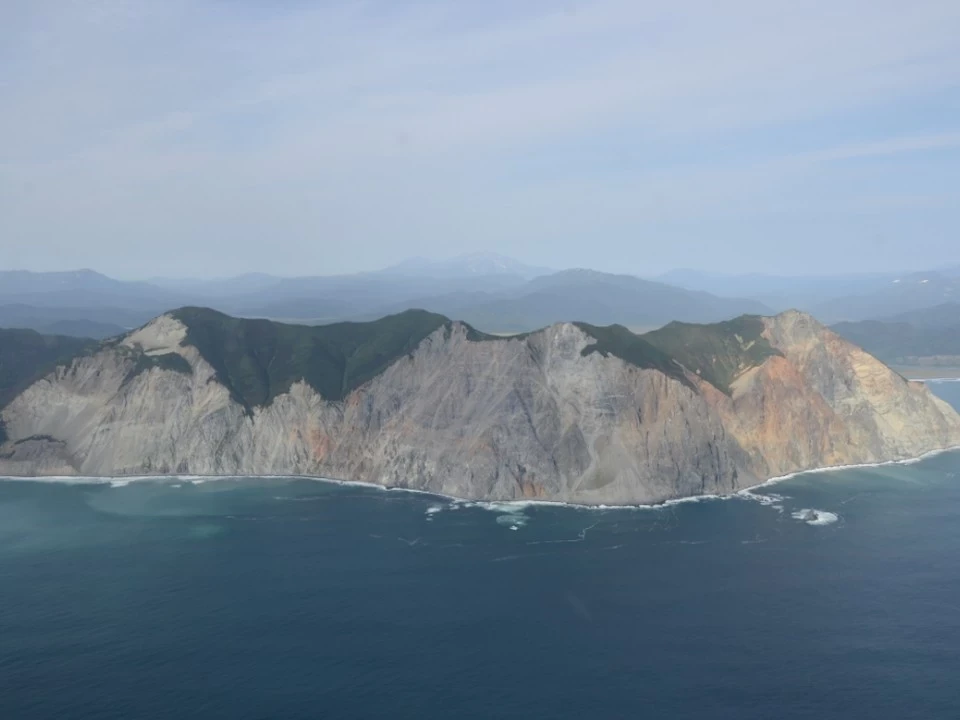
720	352
635	349
257	360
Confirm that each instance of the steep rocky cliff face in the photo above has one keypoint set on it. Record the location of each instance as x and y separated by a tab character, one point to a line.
569	413
825	402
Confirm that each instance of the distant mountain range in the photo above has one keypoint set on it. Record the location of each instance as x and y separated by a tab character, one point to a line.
833	298
492	292
928	337
474	265
903	294
780	292
24	282
939	316
950	270
593	297
91	322
482	264
219	287
82	288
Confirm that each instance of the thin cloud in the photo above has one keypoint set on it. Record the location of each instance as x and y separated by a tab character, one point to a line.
127	123
890	146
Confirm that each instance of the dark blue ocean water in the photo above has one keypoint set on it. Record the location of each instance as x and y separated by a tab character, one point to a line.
298	599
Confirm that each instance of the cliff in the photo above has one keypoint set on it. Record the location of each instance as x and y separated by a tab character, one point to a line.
571	412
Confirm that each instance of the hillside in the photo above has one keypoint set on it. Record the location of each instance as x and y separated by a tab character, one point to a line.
259	359
18	282
781	292
946	315
593	297
572	412
718	353
106	321
81	289
82	329
920	337
912	292
26	355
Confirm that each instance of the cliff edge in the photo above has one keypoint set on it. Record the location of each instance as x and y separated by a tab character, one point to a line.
570	413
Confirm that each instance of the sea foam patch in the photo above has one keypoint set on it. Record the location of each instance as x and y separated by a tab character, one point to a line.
512	521
772	500
509	514
815	517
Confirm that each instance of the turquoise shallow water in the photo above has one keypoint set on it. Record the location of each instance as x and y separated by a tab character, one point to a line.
266	598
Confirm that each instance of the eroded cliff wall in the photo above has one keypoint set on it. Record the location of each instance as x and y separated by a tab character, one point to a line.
532	417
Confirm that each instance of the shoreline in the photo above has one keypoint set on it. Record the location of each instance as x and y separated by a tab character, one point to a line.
926	373
857	466
124	480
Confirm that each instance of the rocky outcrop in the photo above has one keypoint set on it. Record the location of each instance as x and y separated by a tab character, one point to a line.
826	402
540	416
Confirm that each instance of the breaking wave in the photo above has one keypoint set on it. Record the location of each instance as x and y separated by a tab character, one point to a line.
772	500
815	517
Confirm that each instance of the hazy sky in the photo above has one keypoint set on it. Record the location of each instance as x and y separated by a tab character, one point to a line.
195	137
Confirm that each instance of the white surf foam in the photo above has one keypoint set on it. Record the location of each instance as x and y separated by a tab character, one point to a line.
860	466
815	517
771	500
513	521
504	506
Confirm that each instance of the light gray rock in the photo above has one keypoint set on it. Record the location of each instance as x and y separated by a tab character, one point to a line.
495	419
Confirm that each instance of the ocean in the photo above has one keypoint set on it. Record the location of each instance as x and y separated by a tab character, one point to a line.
827	595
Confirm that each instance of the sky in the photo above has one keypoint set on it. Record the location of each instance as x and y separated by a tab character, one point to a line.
214	137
